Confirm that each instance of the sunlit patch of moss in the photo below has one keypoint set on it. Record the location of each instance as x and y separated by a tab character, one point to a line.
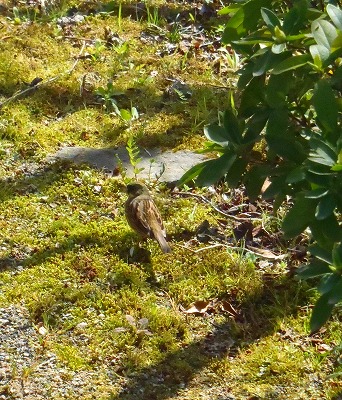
271	363
66	249
71	356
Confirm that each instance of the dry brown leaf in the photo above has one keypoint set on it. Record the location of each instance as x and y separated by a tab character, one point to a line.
227	307
130	320
198	307
265	253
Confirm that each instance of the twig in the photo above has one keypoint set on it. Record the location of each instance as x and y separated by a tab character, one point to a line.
83	39
40	84
77	59
205	200
247	248
210	247
222	86
217	41
185	247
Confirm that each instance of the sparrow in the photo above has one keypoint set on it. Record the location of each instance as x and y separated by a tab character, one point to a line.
143	216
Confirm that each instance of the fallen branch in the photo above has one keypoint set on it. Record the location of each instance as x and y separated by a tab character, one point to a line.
38	85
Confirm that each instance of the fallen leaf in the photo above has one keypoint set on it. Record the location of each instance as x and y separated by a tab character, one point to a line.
120	329
322	348
244	230
142	323
227	307
199	307
130	320
265	253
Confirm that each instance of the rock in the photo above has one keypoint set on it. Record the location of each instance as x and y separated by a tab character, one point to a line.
42	331
81	325
154	163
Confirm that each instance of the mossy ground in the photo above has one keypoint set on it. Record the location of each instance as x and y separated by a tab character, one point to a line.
65	244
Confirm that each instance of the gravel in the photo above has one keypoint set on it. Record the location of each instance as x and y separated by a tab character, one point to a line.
29	372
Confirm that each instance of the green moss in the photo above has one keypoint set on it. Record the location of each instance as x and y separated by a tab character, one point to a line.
66	249
70	356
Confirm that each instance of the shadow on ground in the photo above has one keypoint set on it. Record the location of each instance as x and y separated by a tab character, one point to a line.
170	377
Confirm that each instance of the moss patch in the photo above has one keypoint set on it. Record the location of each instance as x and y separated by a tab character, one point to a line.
66	249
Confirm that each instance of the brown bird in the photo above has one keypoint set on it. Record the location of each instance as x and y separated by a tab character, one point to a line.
143	216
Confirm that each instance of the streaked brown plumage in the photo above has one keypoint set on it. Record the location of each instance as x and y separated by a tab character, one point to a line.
143	216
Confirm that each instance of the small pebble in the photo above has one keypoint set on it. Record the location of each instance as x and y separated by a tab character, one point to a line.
81	325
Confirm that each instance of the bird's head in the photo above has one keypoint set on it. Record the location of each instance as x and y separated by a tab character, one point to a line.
136	189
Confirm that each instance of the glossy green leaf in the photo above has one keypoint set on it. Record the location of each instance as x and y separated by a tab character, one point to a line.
323	32
291	63
265	62
125	114
295	18
320	253
238	168
335	52
327	283
337	167
211	147
337	43
319	170
229	9
234	28
320	313
314	13
252	96
252	41
325	207
337	256
287	147
325	105
319	236
316	193
322	152
277	89
245	75
255	179
279	48
244	20
326	230
231	126
278	201
319	54
335	13
312	270
335	294
277	187
278	123
217	134
280	140
299	216
296	175
255	125
215	169
270	18
192	173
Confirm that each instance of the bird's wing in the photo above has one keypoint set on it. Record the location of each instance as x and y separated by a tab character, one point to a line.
149	215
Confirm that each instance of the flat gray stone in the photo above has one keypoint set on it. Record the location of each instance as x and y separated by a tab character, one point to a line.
168	165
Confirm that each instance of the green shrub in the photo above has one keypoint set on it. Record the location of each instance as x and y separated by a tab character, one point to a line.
290	86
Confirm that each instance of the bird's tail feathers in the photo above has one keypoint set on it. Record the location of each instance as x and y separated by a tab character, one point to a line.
162	242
